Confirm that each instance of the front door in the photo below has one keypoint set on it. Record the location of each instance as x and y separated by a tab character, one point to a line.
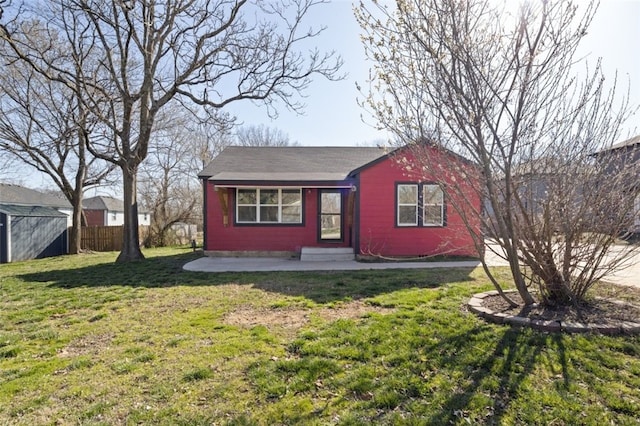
330	215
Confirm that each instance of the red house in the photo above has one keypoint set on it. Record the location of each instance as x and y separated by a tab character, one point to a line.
292	201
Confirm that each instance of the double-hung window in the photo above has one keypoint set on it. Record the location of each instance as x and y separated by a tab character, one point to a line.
433	205
407	205
419	205
268	205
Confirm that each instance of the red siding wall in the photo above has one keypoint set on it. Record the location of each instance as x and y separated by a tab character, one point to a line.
94	217
262	237
379	234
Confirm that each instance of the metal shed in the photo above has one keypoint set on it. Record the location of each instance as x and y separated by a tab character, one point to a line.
31	232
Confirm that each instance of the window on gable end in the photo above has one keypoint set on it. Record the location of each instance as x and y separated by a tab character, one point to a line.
407	204
433	205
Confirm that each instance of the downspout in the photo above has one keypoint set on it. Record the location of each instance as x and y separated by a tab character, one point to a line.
356	217
204	215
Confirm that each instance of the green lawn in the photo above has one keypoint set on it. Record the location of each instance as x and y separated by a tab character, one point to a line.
86	341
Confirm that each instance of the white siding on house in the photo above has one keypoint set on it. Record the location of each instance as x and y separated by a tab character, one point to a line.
117	218
114	218
69	213
144	219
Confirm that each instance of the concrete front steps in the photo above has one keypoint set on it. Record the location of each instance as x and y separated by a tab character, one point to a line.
326	254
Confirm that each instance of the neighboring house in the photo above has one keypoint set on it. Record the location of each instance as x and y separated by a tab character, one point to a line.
625	157
109	211
32	224
542	184
294	200
22	196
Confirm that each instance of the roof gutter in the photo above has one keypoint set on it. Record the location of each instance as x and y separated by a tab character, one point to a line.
291	186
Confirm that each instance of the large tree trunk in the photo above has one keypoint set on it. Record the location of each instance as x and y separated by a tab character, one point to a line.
75	235
154	61
130	243
75	196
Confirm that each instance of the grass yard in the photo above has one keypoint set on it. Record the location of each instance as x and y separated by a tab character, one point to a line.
86	341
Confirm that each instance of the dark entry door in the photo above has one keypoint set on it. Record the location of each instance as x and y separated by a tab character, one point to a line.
330	215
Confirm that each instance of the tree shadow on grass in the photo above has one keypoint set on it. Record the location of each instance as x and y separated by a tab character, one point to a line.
326	287
422	367
498	374
321	287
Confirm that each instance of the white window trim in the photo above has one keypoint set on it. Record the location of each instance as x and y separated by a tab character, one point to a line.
398	205
420	206
424	205
257	206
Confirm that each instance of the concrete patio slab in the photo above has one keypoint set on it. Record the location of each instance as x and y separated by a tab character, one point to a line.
262	264
629	276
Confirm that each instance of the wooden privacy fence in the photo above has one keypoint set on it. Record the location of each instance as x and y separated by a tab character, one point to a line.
106	238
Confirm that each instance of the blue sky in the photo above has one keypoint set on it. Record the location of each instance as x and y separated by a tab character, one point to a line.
333	117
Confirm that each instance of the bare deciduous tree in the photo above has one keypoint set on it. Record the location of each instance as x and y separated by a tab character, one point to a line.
167	189
43	125
261	135
207	141
499	87
168	184
147	54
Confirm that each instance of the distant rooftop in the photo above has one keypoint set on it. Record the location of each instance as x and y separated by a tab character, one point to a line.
22	196
102	202
629	142
30	211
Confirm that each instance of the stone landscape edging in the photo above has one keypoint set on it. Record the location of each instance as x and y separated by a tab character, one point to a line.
475	305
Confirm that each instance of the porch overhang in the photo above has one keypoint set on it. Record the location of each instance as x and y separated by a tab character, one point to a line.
343	184
222	190
296	186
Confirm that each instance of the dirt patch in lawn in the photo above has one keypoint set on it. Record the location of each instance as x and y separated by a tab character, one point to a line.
296	318
91	344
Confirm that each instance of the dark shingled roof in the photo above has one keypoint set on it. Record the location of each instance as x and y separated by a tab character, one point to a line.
102	202
629	142
21	196
30	211
289	164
